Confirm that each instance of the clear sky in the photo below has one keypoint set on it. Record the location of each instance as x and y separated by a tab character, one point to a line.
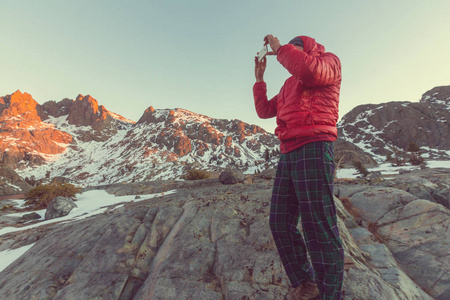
199	54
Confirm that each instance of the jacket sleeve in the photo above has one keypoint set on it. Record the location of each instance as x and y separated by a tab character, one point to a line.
264	108
310	70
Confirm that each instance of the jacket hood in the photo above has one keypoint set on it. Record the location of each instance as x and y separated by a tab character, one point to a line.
311	47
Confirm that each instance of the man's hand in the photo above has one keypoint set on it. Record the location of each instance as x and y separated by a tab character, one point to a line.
273	42
260	68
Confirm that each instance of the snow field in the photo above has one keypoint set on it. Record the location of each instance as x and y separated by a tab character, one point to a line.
90	203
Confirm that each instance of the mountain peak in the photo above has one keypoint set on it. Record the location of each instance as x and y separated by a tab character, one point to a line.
149	116
439	95
18	92
20	105
83	111
23	135
386	128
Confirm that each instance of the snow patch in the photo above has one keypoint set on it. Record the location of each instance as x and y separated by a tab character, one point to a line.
9	256
89	204
388	169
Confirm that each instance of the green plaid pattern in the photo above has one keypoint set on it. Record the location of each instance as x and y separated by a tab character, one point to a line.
303	190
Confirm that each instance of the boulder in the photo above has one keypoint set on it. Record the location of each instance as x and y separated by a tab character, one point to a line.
29	217
231	177
269	173
59	207
376	177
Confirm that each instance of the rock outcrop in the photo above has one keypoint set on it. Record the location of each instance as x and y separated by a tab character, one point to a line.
29	217
24	138
347	153
413	229
213	241
11	183
58	109
29	138
94	121
379	128
231	177
82	139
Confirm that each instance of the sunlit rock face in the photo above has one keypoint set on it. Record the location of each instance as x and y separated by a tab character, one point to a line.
23	135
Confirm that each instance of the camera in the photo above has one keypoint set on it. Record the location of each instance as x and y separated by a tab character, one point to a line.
262	53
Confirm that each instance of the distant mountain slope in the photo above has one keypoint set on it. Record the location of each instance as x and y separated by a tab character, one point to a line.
83	141
378	128
101	147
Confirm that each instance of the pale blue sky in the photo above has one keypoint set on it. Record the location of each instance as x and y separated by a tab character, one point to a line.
198	55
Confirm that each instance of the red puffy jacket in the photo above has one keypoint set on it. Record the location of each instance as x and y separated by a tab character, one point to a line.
307	105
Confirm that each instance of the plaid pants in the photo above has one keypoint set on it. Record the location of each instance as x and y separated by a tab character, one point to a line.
303	189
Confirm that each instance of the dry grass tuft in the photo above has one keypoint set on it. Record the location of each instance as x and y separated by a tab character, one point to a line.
348	205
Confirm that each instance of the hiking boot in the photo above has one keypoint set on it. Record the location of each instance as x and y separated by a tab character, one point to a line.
307	290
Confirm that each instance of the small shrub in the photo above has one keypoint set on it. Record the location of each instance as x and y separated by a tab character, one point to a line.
398	159
398	162
6	207
414	157
360	168
416	160
31	181
197	174
348	205
389	157
413	148
40	196
373	228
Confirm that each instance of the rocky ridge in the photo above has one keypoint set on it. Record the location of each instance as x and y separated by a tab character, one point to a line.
211	241
84	142
101	147
377	129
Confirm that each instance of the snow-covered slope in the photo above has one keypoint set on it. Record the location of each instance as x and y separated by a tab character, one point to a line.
106	148
381	129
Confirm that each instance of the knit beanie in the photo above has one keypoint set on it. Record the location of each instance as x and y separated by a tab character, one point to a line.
297	41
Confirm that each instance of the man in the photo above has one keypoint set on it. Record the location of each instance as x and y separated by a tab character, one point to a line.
306	111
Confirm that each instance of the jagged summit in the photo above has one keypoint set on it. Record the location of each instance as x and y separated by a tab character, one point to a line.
20	106
99	146
83	140
23	135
